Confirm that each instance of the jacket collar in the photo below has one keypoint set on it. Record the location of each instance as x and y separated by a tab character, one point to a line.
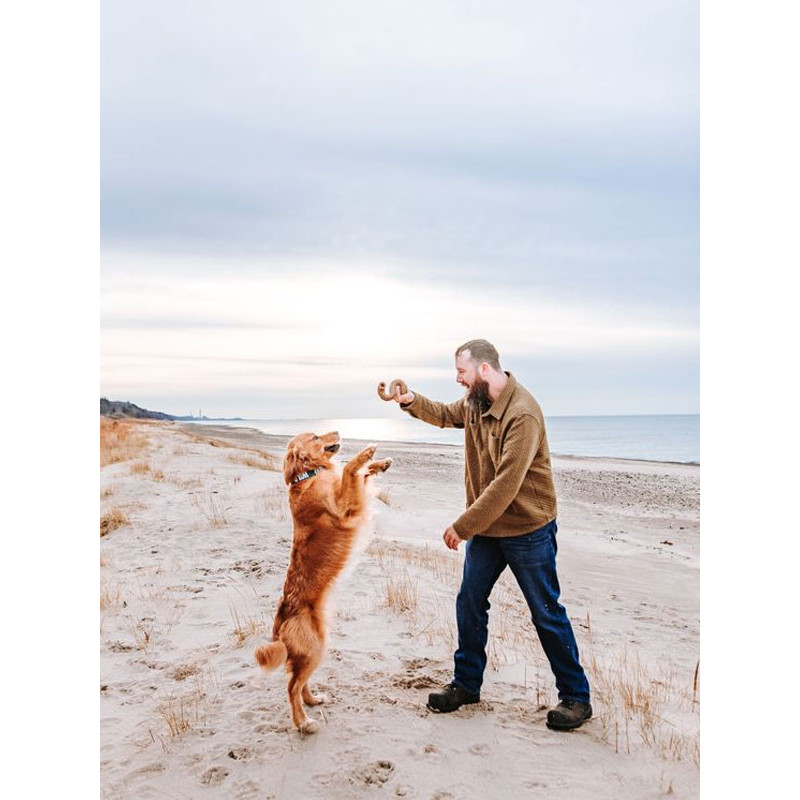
498	407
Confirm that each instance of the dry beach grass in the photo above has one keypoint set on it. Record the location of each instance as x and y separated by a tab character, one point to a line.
191	577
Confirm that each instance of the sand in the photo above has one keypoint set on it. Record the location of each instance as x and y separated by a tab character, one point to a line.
190	584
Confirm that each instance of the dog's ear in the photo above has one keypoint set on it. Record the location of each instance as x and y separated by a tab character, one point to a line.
294	463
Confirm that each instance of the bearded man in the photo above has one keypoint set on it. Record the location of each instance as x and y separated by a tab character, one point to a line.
510	520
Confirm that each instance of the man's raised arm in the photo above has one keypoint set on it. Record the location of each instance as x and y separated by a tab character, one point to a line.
443	415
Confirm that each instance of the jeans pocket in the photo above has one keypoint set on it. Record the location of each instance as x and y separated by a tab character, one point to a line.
533	548
544	534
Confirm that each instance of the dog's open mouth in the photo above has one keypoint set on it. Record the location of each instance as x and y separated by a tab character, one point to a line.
332	448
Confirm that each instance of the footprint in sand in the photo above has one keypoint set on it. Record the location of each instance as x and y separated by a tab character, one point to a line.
146	770
535	784
480	749
242	753
272	727
120	647
214	776
374	774
324	778
246	790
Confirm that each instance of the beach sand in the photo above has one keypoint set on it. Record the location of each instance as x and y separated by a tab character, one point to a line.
192	563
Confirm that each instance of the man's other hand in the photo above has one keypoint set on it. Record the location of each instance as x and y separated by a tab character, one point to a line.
451	538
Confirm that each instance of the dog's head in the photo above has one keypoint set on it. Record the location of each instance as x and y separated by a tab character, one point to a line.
309	451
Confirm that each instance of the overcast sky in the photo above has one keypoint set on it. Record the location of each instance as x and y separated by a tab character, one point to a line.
301	199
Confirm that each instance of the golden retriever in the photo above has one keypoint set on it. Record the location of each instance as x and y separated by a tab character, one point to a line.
329	507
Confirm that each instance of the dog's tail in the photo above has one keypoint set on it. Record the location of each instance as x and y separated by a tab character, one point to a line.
272	655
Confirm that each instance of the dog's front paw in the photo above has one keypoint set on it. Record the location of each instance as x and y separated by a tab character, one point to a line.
369	452
380	466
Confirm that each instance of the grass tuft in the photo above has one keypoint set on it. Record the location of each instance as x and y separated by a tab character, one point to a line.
111	520
245	627
259	460
402	594
110	596
189	711
275	502
211	508
122	440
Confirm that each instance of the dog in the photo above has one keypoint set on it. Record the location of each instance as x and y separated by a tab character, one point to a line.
329	508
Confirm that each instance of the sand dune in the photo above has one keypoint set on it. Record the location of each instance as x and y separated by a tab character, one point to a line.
192	563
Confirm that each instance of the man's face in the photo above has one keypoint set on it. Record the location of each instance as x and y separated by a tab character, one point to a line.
468	374
466	371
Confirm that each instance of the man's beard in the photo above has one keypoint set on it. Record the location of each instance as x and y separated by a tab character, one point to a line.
478	396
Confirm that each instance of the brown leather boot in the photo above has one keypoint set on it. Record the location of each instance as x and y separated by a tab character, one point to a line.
568	715
451	698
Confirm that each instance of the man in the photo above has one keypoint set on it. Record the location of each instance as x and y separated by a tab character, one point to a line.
510	520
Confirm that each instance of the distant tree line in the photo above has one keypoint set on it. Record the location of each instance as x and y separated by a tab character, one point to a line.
119	408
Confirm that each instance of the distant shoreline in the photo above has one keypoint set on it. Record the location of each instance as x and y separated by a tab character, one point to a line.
220	430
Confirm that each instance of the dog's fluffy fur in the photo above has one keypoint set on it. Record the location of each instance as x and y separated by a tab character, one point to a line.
328	511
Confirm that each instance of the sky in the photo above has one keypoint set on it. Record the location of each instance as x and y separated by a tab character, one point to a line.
299	200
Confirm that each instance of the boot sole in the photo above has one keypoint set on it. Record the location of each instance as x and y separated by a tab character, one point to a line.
569	726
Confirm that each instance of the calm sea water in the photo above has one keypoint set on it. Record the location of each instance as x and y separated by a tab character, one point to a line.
669	437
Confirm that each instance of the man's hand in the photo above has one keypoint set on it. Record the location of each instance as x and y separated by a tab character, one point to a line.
406	398
451	538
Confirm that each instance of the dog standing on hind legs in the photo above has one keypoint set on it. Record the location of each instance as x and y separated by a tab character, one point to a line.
329	508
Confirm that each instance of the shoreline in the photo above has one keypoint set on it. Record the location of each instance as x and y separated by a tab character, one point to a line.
219	429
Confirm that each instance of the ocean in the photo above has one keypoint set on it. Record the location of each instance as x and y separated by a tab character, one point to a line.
662	437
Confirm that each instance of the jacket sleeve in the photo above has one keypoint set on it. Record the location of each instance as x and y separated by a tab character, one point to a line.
519	448
443	415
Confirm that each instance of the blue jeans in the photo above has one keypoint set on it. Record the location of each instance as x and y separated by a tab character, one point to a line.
532	558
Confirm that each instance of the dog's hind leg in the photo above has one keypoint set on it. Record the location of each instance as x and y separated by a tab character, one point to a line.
311	699
301	672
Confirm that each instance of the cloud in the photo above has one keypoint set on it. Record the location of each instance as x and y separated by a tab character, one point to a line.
277	179
325	331
460	137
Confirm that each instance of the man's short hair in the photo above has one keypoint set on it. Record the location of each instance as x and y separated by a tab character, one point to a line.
481	351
